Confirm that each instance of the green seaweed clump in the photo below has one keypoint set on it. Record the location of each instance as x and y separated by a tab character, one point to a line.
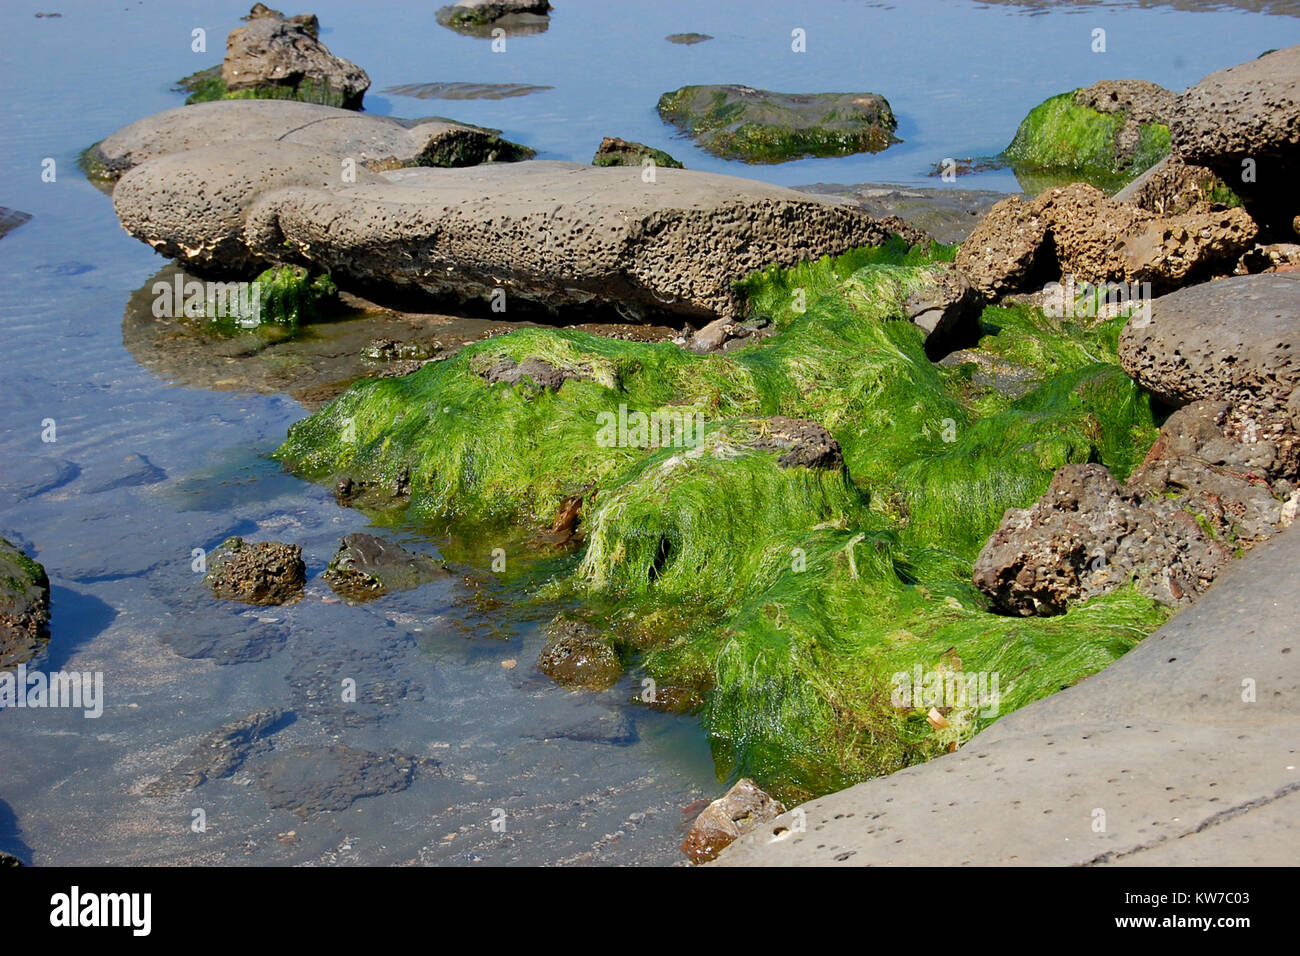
792	594
1062	141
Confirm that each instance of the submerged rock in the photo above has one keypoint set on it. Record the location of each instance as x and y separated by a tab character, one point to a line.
577	655
24	606
275	55
687	39
11	219
309	780
619	152
1105	134
378	142
740	810
1244	124
220	753
478	17
366	567
759	126
560	234
264	572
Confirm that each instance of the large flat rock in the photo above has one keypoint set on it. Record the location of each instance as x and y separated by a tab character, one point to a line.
560	234
1162	743
368	140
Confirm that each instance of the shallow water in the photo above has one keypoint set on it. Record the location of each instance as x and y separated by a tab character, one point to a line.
143	471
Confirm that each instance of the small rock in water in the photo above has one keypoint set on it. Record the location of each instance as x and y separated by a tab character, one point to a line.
740	810
265	572
367	567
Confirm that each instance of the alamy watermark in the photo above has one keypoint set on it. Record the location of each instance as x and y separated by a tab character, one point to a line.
658	429
918	688
1068	300
83	690
240	302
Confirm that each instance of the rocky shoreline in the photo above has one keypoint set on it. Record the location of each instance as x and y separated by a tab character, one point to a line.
782	445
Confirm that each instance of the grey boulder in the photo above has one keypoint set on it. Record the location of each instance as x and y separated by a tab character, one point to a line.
1249	112
1235	339
285	53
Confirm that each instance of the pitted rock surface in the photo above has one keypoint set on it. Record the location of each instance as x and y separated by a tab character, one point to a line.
192	206
1087	536
1236	339
561	234
1248	112
1076	230
805	443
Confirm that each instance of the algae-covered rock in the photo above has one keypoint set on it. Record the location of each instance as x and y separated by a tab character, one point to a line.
366	567
787	596
480	17
279	56
11	219
619	152
24	606
577	655
263	572
759	126
1105	134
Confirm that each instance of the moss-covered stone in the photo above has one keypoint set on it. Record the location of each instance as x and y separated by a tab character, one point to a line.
789	596
1105	135
283	296
620	152
207	85
759	126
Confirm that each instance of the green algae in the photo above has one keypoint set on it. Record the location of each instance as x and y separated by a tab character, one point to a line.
759	126
1061	141
786	597
206	86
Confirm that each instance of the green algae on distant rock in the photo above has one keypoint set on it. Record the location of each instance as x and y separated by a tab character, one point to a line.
205	86
24	606
790	591
759	126
1105	134
620	152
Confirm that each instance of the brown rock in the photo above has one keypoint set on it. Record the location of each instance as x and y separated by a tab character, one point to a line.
740	810
576	655
263	573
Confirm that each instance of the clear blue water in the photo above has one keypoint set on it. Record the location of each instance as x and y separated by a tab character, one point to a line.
117	541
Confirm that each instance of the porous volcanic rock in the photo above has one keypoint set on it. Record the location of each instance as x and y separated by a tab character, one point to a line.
561	234
1249	112
1236	339
265	572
